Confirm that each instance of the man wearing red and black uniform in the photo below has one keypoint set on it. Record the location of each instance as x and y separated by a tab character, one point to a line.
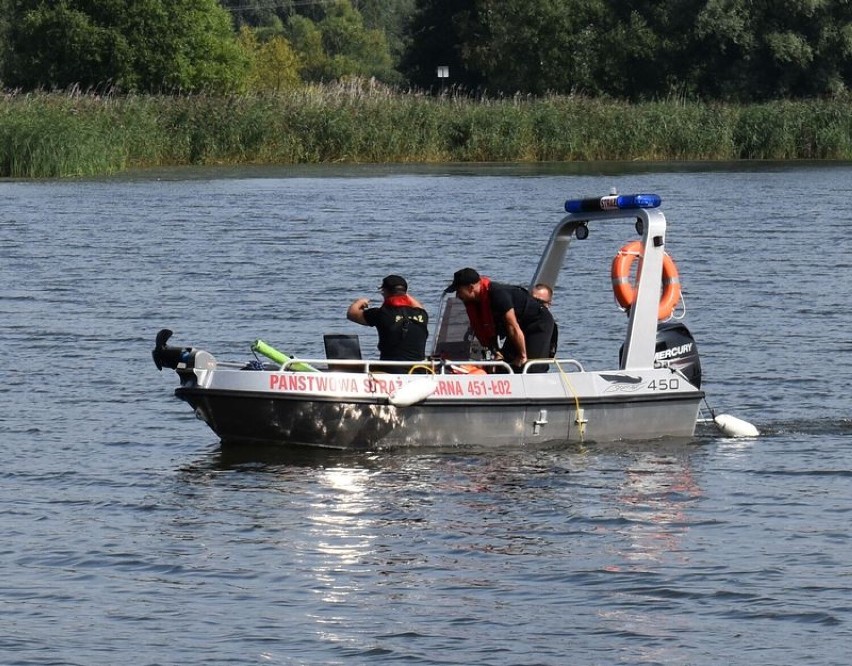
401	322
498	310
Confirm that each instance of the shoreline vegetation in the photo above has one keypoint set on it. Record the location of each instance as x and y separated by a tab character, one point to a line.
74	134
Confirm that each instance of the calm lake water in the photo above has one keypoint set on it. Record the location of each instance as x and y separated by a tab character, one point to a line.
130	537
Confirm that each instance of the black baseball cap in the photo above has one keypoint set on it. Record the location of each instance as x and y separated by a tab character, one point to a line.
461	278
394	283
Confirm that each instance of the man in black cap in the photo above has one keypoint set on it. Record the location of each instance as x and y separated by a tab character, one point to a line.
401	322
497	311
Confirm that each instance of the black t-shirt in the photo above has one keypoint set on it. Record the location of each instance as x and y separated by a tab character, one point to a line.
505	297
533	317
402	332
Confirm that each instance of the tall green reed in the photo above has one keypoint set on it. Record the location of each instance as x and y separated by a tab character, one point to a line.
74	134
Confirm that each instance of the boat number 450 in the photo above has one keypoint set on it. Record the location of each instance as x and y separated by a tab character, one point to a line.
669	384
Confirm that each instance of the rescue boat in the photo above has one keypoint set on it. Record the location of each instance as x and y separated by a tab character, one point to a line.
458	395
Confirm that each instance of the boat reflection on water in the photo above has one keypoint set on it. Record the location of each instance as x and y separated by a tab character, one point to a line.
273	458
652	503
657	495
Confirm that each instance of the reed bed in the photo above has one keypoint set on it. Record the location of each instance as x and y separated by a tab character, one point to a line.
48	135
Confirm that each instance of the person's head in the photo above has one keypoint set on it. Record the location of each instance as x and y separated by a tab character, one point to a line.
466	284
543	293
393	285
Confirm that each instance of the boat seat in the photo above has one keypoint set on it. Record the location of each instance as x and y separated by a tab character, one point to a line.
342	346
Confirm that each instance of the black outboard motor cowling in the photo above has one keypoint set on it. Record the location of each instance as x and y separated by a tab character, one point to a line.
676	348
166	356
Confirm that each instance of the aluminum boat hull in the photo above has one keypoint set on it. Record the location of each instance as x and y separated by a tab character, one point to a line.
493	410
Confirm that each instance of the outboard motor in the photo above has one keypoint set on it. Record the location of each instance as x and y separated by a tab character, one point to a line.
676	348
166	356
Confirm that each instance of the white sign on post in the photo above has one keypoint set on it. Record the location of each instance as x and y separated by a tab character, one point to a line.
443	72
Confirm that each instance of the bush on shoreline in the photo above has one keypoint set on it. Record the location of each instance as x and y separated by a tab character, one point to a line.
49	135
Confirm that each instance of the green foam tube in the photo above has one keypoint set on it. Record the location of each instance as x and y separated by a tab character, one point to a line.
261	347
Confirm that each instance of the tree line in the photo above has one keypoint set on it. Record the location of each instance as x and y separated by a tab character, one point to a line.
739	51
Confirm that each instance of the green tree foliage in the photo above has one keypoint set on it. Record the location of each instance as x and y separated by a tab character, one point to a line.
273	64
772	49
643	48
731	50
442	34
736	50
548	45
390	17
332	38
339	46
306	38
5	11
60	46
346	37
258	13
146	45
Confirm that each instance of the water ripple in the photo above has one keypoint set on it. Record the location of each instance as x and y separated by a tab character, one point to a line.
132	536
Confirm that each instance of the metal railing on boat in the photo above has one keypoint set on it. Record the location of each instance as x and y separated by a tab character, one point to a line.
430	366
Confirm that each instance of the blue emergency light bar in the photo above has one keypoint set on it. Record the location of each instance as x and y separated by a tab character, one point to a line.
613	202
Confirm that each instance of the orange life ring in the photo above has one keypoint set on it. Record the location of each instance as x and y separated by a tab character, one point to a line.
625	292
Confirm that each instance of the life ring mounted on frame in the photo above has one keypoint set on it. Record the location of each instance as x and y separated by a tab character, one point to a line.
625	292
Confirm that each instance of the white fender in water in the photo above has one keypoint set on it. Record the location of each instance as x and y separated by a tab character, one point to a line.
413	392
734	427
